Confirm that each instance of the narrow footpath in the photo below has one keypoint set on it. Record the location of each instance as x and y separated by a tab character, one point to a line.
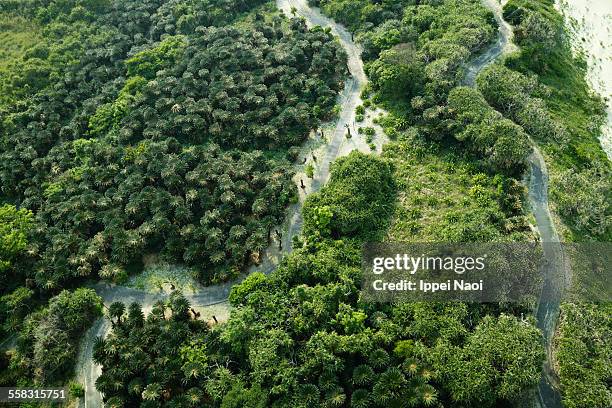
215	297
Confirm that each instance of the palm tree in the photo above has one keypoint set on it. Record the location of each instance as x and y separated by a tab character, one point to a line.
335	397
379	358
195	396
361	399
179	306
427	394
307	395
152	392
135	316
115	402
99	351
411	366
363	374
136	386
390	387
116	311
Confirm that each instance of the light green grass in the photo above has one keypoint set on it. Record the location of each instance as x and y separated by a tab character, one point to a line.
160	275
16	36
443	197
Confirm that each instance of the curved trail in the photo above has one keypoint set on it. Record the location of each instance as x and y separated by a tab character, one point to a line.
213	299
503	45
554	273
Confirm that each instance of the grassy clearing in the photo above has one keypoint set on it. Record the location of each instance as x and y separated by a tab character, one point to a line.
444	197
155	277
17	35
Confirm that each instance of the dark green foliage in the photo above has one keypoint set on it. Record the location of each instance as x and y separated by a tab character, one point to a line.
14	307
414	49
128	147
356	14
239	88
47	344
583	353
197	205
585	198
517	96
416	62
136	127
162	358
300	337
502	354
398	73
503	143
359	197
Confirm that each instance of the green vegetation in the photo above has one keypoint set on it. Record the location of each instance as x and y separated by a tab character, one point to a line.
414	49
15	226
156	358
356	202
131	128
584	198
145	139
416	62
309	170
300	337
76	390
543	88
444	197
17	36
137	130
48	342
583	355
199	205
503	143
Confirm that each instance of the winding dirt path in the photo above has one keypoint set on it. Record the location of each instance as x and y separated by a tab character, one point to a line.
555	273
503	45
214	298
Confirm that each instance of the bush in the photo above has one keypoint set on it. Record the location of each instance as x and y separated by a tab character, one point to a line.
309	170
584	199
583	353
76	390
48	341
360	196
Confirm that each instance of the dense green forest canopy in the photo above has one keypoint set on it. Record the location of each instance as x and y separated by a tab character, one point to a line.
301	337
416	53
542	93
135	127
141	131
49	339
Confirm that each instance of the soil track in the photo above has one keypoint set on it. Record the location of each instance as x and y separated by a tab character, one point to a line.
213	299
